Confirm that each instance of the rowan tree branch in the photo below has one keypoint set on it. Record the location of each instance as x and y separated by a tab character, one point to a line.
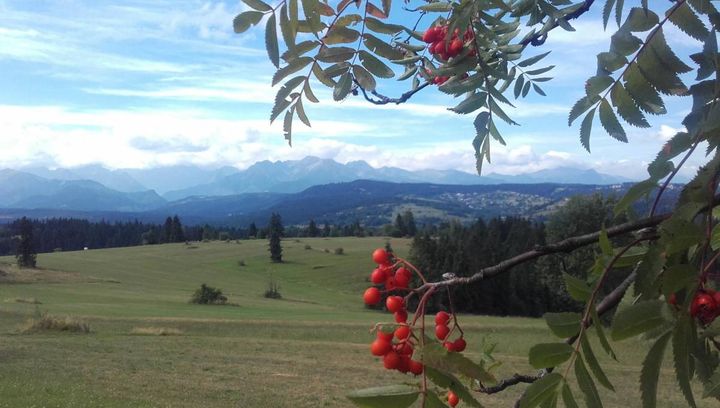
540	38
380	99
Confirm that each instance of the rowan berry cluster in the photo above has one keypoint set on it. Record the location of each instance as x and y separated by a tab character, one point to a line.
444	46
396	343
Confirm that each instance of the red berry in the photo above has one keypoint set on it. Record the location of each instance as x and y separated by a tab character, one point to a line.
439	47
449	345
391	360
387	336
716	298
703	303
402	278
442	318
432	34
380	347
672	299
372	296
452	399
404	365
390	283
402	332
394	303
401	316
459	344
416	367
378	276
404	348
441	331
455	47
380	256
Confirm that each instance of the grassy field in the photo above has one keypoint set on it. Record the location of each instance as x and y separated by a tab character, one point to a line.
307	350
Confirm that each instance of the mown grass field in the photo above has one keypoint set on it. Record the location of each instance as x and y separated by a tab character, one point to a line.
307	350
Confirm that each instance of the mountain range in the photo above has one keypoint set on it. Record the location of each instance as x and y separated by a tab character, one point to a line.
183	181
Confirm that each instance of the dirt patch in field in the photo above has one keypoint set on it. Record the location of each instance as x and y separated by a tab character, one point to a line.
11	274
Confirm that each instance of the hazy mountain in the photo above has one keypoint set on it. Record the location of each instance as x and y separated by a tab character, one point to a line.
29	191
118	180
568	175
164	179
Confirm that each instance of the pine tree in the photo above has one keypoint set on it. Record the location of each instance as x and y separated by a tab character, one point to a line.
167	230
312	229
26	254
252	230
275	232
177	230
399	230
409	223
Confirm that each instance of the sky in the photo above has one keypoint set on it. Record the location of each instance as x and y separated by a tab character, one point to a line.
148	83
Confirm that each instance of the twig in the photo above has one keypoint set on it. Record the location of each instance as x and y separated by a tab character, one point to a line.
384	100
539	39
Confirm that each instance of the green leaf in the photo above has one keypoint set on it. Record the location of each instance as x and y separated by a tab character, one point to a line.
471	103
300	110
546	355
679	235
434	355
449	381
299	49
651	371
640	20
538	90
600	331
624	43
626	107
568	397
607	10
638	318
335	54
611	123
340	34
342	89
311	9
519	82
293	67
364	78
287	126
638	190
592	361
604	242
495	108
610	61
712	387
243	21
374	65
271	41
281	101
381	48
587	385
433	401
381	27
565	324
258	5
682	340
542	390
685	19
532	60
586	129
436	7
645	96
400	396
582	105
677	277
597	84
577	288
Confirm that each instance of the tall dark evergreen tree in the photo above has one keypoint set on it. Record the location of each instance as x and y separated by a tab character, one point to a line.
399	227
409	224
252	230
275	233
167	230
26	254
177	230
312	229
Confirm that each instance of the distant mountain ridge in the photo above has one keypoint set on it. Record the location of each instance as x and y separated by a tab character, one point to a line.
291	176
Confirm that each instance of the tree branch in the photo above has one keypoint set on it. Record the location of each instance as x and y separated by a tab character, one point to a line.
509	382
540	38
384	100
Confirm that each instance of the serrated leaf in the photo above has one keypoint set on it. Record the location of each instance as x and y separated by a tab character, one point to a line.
258	5
287	126
538	90
540	71
293	67
341	35
400	396
650	372
586	129
610	61
685	19
434	355
532	60
638	318
593	363
436	7
309	93
624	43
471	103
712	387
597	84
578	289
300	110
342	89
638	190
243	21
600	331
364	78
626	107
568	397
645	96
375	66
587	385
335	54
618	11
381	27
545	355
640	20
495	108
311	9
542	390
610	122
679	234
271	41
682	339
449	381
381	48
564	324
582	105
607	10
678	277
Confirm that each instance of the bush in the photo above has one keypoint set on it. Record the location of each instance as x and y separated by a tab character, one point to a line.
339	251
241	262
46	322
273	290
307	247
156	331
326	250
207	295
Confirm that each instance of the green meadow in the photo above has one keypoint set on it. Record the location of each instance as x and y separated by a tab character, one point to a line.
306	350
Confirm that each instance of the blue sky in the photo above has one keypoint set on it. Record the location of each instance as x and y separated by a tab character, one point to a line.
144	83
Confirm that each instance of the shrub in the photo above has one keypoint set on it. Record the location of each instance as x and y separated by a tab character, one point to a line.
45	322
31	301
207	295
156	331
273	290
307	247
241	262
326	250
339	251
